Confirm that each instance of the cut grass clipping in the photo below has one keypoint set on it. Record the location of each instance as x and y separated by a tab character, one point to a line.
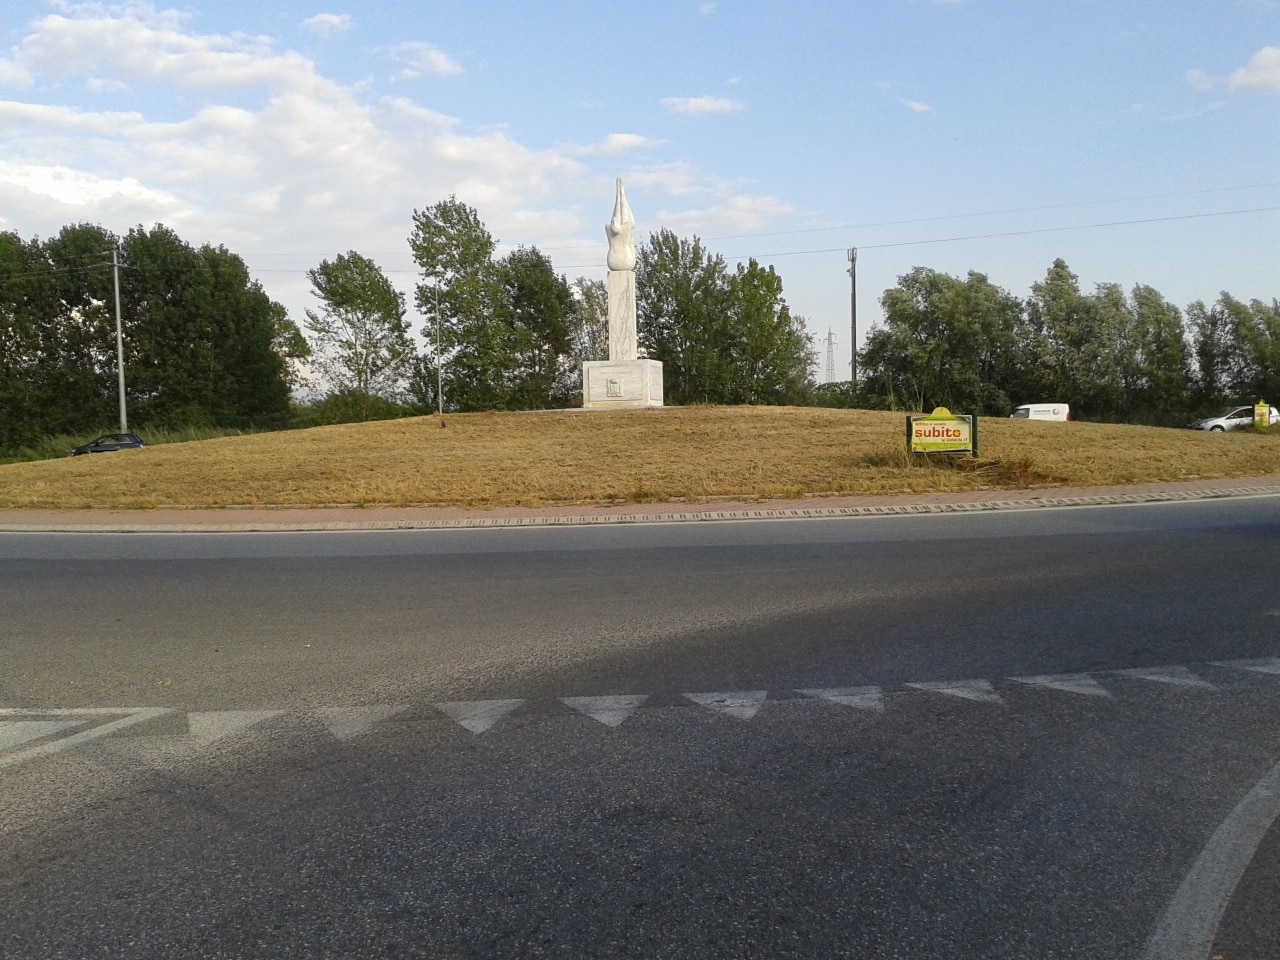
660	455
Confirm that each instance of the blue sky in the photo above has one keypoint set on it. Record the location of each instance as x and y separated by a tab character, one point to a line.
292	132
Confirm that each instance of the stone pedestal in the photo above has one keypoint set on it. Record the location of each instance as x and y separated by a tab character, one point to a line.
621	384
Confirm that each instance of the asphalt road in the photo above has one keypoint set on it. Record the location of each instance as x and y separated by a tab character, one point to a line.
1022	734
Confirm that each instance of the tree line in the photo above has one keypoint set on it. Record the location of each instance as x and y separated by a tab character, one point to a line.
971	346
206	347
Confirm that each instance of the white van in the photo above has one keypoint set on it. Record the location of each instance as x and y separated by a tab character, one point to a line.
1042	411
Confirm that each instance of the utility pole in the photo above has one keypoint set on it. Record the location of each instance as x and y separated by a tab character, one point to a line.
831	356
853	317
115	276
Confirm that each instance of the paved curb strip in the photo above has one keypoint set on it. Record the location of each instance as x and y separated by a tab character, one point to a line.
1031	503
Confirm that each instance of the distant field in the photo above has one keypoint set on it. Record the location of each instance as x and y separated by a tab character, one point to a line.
558	457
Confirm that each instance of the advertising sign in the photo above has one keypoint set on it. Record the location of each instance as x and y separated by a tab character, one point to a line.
1262	415
942	432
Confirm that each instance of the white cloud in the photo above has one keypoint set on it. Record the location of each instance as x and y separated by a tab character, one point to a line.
735	214
76	188
140	45
1199	80
1261	73
13	74
701	106
615	145
674	179
707	9
325	24
915	106
240	142
422	59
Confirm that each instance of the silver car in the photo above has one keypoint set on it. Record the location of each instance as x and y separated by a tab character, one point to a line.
1233	420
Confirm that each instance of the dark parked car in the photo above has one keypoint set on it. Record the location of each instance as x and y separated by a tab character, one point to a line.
112	441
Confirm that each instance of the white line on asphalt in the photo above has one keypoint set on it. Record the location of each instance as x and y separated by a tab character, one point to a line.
864	698
346	723
14	733
1262	665
744	705
1190	921
131	716
611	711
1070	682
216	724
980	690
1179	676
477	715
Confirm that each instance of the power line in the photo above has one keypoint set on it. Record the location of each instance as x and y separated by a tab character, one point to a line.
996	213
1013	233
910	222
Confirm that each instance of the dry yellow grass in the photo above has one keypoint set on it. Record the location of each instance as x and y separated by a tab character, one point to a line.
555	457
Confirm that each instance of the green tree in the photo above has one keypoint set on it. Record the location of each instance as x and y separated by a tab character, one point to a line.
589	335
504	327
360	340
946	342
539	316
204	340
683	315
773	354
722	336
459	291
1237	349
1161	391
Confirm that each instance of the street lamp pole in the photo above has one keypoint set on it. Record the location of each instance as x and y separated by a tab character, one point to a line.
853	315
115	275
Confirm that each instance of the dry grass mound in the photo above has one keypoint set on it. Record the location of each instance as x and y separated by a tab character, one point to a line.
663	455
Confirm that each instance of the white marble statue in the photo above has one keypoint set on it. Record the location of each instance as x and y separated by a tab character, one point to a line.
622	250
622	279
625	379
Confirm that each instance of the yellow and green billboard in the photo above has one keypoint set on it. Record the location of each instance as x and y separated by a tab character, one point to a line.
942	432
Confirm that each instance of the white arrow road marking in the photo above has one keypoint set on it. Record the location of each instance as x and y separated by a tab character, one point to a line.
16	732
864	698
131	715
1179	676
1264	665
216	724
477	715
610	711
980	690
743	705
1070	682
346	723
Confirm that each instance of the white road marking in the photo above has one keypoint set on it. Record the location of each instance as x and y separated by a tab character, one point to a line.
864	698
1070	682
131	715
216	724
744	705
346	723
14	733
980	690
1190	920
611	711
1263	665
477	715
1178	676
